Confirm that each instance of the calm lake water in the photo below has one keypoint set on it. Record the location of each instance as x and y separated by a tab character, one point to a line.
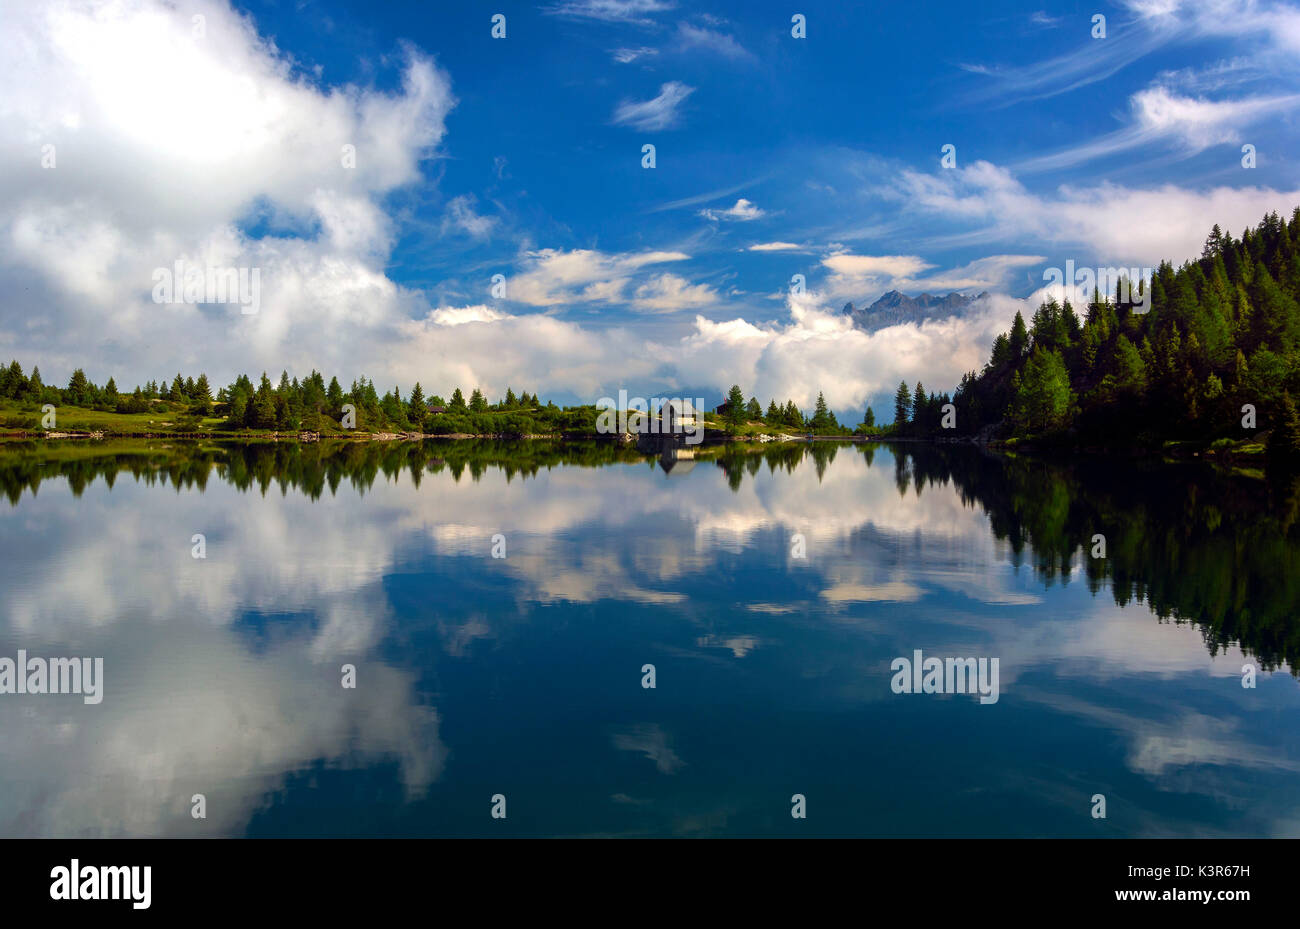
523	675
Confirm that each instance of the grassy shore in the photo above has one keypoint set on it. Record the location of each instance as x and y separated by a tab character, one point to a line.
25	421
15	419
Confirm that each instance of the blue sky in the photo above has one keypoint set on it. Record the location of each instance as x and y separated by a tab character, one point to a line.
522	156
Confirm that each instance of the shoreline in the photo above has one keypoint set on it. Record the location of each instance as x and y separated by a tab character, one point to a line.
1243	452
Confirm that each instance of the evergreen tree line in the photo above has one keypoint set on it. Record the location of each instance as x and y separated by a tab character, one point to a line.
1220	332
293	405
307	405
33	391
737	413
915	412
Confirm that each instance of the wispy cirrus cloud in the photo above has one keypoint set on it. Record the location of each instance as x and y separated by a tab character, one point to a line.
1106	221
720	43
657	113
1198	123
611	11
1277	22
628	55
697	199
1154	24
1085	64
1188	124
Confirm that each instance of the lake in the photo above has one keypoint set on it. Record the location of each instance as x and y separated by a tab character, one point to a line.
500	609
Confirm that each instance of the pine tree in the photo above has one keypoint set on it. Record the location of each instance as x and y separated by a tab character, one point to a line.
735	415
1213	243
78	392
821	413
1019	338
261	409
415	408
1044	396
1130	371
202	392
902	404
334	397
14	384
237	413
1001	353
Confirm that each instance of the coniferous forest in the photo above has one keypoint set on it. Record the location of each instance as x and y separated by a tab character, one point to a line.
1216	356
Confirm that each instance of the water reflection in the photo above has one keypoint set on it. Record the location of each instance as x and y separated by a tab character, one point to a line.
521	674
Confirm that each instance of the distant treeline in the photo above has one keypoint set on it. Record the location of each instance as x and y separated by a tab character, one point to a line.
737	413
311	405
1220	332
307	405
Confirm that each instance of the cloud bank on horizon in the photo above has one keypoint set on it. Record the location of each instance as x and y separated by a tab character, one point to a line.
614	193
